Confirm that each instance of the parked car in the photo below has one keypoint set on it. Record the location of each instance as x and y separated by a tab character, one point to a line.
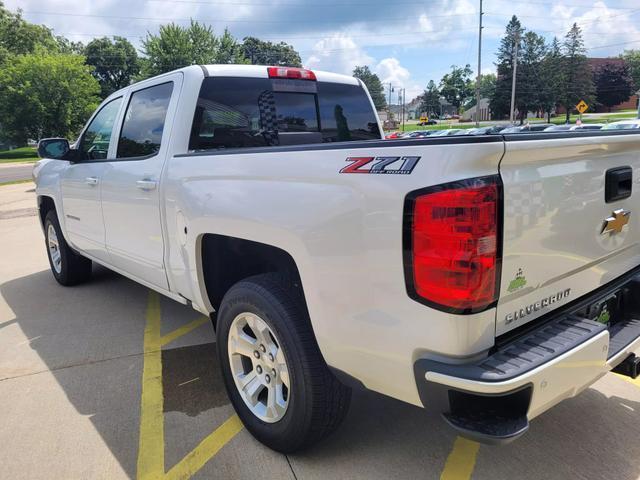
587	126
328	259
394	135
623	125
559	128
527	128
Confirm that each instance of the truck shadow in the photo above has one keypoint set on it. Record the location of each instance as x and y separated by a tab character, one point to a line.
90	338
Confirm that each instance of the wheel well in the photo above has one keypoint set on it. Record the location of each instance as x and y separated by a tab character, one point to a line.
45	204
227	260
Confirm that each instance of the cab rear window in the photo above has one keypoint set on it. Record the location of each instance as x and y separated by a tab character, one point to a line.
260	112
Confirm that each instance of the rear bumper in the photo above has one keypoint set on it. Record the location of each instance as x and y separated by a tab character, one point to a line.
493	400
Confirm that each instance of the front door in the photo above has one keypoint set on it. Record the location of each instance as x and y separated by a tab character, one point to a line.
130	187
80	183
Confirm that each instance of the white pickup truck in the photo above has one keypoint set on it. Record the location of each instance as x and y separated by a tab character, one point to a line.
487	277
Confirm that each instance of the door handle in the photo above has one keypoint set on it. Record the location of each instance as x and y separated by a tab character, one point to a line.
91	180
146	184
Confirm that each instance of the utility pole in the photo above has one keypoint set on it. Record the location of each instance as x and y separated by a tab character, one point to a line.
404	99
479	67
513	80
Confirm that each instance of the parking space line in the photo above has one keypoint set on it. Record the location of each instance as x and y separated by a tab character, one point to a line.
179	332
150	465
635	382
461	461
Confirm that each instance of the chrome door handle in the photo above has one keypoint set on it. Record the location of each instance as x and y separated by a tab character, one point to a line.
91	180
146	184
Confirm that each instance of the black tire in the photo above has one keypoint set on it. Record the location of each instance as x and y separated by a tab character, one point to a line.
318	402
74	268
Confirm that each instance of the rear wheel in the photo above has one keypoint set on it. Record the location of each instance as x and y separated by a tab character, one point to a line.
68	267
274	372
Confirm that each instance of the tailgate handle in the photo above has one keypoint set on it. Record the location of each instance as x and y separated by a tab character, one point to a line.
618	184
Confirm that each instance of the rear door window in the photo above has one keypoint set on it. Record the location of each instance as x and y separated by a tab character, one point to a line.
259	112
143	123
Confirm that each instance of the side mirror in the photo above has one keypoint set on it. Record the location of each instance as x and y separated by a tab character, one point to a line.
56	148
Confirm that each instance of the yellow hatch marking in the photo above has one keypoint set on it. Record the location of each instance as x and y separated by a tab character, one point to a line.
461	460
636	382
151	444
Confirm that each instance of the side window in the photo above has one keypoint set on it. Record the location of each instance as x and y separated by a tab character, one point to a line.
94	144
143	123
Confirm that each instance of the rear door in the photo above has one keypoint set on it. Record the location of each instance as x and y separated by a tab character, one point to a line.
565	234
81	183
130	188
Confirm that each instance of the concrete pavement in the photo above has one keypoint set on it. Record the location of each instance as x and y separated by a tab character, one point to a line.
73	404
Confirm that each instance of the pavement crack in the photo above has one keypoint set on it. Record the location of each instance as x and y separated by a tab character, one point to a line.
291	468
93	362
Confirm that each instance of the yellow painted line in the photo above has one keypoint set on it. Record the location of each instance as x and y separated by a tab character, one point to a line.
151	444
461	460
183	330
200	455
635	382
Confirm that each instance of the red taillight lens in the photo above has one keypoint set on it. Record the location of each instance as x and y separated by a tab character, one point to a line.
291	73
455	245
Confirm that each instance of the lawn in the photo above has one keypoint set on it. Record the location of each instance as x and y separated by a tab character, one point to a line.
23	154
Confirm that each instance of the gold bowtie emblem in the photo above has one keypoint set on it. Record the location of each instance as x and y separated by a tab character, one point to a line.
616	222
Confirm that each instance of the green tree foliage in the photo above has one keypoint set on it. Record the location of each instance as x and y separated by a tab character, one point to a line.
259	52
552	75
613	84
45	95
67	46
18	37
577	83
530	81
456	86
500	100
176	46
115	63
430	99
374	85
632	58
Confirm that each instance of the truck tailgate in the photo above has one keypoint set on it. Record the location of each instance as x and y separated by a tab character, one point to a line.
557	242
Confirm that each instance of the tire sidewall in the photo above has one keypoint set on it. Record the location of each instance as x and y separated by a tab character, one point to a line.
245	299
51	219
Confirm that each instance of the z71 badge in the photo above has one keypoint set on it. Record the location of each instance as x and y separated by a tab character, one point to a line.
391	165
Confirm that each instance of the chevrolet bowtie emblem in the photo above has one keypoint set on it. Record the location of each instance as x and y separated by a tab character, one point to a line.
616	222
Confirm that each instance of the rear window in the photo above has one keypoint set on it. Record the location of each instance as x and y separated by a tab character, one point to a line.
260	112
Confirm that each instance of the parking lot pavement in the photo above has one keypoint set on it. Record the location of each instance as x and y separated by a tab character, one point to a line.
108	380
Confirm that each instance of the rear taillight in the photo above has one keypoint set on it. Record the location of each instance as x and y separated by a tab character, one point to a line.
291	73
452	245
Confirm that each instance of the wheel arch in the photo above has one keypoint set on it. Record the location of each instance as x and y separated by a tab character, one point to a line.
45	205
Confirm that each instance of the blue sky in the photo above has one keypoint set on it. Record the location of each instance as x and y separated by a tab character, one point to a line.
407	42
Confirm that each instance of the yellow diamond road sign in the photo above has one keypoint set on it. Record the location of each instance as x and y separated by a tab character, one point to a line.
582	106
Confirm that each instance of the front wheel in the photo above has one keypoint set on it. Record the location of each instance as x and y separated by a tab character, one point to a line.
68	267
273	370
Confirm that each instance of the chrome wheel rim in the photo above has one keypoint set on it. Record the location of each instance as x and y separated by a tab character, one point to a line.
259	367
54	249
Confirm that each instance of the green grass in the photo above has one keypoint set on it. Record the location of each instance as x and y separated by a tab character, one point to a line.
23	154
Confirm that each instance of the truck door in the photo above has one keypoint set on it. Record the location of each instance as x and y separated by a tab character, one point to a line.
130	189
81	183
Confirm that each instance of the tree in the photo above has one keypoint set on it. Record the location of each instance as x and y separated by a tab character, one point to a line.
530	83
552	77
500	100
115	63
456	86
67	46
374	85
577	83
18	37
632	58
430	99
176	46
45	95
613	84
259	52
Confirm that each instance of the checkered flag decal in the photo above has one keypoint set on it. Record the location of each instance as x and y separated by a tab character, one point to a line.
268	118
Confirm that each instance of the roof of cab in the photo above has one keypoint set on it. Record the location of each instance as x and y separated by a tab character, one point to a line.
260	71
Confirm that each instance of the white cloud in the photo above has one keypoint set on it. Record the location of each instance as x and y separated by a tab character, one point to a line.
390	71
338	53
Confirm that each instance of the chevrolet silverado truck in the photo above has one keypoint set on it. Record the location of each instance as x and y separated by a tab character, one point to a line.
485	277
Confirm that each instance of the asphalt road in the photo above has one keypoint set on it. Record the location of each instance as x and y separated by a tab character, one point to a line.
12	172
108	380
